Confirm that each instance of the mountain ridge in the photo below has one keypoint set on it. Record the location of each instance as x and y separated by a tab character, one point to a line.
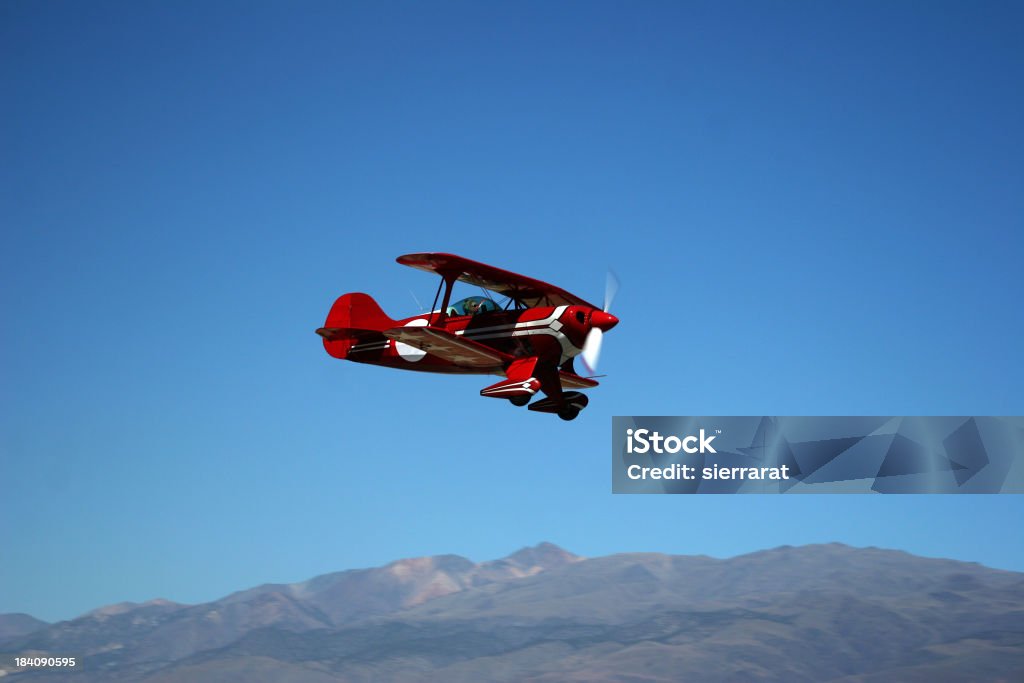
543	613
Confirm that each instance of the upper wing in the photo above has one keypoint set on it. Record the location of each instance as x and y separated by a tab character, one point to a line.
519	287
462	352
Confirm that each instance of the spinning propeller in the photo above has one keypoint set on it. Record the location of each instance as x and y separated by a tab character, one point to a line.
600	322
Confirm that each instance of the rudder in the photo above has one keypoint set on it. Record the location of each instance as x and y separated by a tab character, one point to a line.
352	317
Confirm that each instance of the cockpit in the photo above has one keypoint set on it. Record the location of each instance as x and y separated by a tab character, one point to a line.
473	305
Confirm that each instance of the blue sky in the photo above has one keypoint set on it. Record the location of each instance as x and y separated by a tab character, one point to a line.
814	208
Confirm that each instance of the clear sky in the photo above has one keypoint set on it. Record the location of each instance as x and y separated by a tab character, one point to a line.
814	208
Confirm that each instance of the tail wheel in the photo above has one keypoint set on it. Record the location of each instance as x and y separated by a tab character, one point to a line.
519	400
568	413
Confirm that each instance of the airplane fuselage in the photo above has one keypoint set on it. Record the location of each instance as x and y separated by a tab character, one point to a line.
553	334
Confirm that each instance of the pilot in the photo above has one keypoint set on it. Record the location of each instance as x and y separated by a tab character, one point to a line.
472	306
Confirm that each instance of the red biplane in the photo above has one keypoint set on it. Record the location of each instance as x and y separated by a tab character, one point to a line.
531	340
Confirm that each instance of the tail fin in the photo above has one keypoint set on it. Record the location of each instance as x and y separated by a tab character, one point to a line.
352	317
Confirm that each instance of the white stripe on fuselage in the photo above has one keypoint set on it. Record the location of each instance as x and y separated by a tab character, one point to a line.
549	326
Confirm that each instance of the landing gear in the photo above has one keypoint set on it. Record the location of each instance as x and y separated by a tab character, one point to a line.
519	400
567	406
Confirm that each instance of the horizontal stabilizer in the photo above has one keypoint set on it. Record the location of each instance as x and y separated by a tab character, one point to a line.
347	333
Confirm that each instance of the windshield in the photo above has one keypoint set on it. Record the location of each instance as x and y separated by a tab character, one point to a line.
472	305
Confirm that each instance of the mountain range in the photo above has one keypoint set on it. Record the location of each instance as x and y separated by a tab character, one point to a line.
812	613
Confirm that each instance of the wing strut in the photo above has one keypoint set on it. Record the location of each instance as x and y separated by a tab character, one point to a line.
433	306
448	281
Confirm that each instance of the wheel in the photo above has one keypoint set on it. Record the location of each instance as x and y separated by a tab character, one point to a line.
519	400
568	413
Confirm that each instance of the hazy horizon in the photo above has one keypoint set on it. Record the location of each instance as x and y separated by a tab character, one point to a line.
539	544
